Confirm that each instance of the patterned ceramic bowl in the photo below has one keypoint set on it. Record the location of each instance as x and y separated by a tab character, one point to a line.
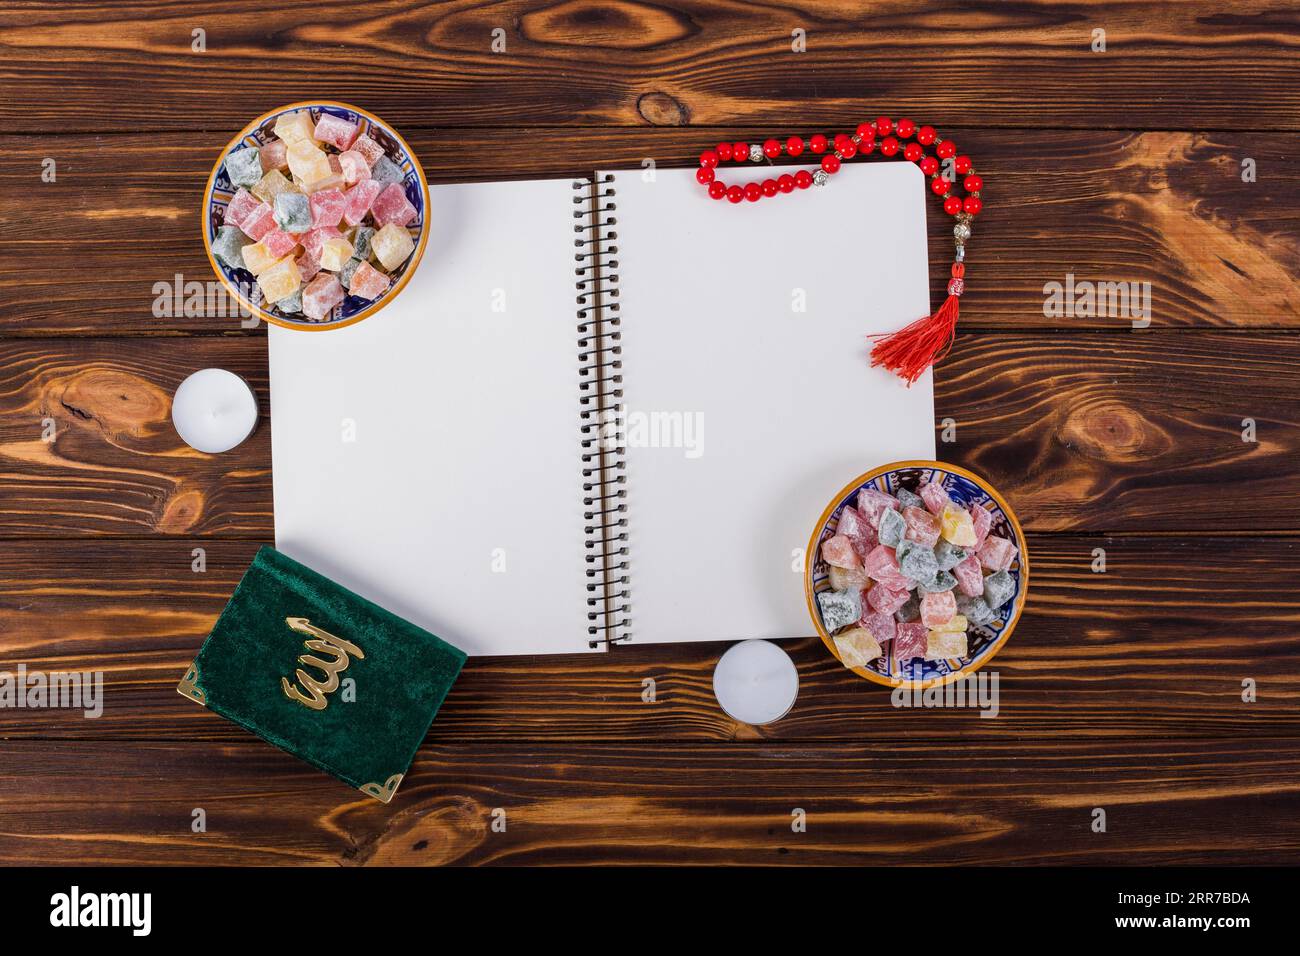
965	489
241	284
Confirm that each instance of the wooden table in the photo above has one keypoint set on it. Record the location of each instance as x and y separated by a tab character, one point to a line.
1121	690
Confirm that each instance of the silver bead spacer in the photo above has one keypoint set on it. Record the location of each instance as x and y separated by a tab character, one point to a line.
961	253
820	177
856	138
961	232
756	153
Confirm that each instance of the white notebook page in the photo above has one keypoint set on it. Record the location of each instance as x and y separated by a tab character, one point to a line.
429	456
783	408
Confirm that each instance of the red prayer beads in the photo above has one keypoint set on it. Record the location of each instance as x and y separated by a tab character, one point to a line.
944	176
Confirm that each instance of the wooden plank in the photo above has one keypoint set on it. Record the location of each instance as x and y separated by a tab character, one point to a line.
1156	646
104	66
1082	432
1166	209
1018	802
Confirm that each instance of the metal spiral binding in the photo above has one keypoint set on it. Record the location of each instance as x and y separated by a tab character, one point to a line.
604	477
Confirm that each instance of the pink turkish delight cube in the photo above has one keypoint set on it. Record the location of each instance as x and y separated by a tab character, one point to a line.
391	205
838	550
935	497
996	553
922	527
274	155
241	205
910	641
982	521
871	501
886	600
258	222
308	265
881	565
335	130
970	579
326	207
938	608
360	198
321	295
279	243
854	527
314	239
880	625
368	282
353	166
368	148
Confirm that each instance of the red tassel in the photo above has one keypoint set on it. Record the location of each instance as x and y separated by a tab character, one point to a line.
911	350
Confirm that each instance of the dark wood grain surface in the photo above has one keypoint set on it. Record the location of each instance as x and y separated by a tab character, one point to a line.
1120	690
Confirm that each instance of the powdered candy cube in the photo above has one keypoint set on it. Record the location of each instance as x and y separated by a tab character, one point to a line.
359	200
392	245
361	242
892	527
942	581
839	608
854	527
353	166
844	578
996	553
391	205
948	555
279	243
321	295
327	207
258	222
910	641
976	610
956	525
244	166
257	258
982	521
292	127
937	608
909	500
368	148
945	645
998	589
291	303
274	155
918	562
882	565
970	579
335	130
856	647
334	253
386	171
271	185
280	280
228	246
241	205
292	212
880	625
368	282
886	600
871	501
922	527
935	497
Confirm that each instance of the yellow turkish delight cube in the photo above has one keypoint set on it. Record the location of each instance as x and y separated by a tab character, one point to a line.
292	127
257	258
956	526
941	645
334	253
307	163
271	185
392	246
280	280
857	647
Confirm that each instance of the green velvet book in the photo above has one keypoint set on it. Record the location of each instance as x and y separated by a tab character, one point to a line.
322	673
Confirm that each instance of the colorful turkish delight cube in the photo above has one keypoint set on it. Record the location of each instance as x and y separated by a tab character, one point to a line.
956	525
293	212
258	222
241	204
392	244
838	550
922	527
307	162
292	127
257	258
910	641
881	565
998	589
361	249
244	166
359	200
368	282
982	521
851	525
916	561
228	246
941	581
353	167
935	497
392	206
892	527
370	150
976	610
314	239
271	185
334	253
938	607
335	130
841	578
955	623
911	611
908	499
871	501
879	624
386	171
274	155
949	555
970	578
279	243
996	553
321	295
945	645
839	608
856	647
291	304
280	280
326	207
886	600
309	265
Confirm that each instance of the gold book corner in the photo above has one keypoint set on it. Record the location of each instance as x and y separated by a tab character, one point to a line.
382	792
189	686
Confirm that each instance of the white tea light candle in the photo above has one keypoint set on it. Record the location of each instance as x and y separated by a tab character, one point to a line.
756	682
214	410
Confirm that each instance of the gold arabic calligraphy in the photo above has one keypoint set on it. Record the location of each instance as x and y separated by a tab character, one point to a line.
313	692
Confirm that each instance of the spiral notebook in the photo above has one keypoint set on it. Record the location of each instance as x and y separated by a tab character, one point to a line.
607	410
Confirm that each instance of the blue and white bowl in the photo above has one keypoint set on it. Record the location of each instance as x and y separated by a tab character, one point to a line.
241	283
965	488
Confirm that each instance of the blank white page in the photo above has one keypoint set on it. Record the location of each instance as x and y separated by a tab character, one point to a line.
751	320
429	456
